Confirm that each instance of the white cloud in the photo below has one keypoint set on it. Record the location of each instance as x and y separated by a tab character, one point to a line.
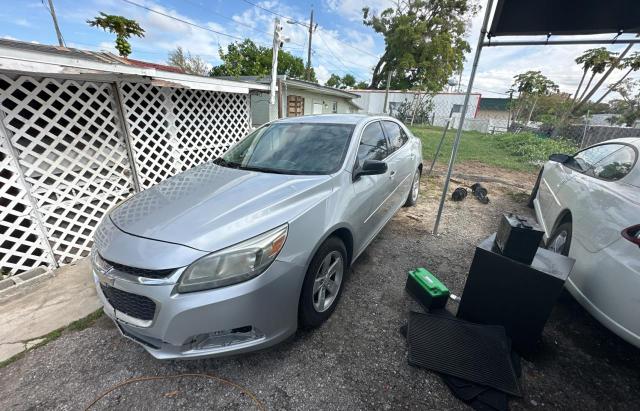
22	22
352	9
322	74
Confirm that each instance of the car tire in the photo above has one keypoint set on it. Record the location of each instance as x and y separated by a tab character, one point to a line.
412	198
560	240
534	192
311	312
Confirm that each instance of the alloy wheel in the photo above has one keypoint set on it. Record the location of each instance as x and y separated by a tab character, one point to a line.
328	281
557	245
415	189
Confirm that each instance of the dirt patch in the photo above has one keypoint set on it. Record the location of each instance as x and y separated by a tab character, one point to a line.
357	360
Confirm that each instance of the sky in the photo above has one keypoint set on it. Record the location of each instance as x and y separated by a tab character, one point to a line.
341	44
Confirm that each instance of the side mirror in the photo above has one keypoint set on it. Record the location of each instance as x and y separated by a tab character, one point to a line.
559	158
369	168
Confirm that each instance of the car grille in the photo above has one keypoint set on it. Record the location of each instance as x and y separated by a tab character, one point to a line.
141	272
134	305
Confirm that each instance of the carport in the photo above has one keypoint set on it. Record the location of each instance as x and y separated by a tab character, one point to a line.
522	19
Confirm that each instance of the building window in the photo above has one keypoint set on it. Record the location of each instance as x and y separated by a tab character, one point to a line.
334	107
295	106
457	108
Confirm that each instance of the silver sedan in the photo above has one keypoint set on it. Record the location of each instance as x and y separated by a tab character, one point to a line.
233	255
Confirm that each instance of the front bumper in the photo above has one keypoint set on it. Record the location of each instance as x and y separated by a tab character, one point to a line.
268	304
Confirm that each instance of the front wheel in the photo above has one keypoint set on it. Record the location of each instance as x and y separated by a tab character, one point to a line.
412	198
322	285
560	240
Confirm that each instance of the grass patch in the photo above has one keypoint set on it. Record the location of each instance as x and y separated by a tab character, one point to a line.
521	152
75	326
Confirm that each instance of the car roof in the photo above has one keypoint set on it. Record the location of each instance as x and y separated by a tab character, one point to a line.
634	141
332	119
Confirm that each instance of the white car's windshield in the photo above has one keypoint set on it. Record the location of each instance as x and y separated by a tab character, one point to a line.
291	148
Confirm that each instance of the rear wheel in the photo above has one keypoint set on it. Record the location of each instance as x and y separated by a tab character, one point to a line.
322	285
560	240
412	199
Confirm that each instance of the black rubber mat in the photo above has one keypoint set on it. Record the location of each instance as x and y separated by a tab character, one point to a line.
474	352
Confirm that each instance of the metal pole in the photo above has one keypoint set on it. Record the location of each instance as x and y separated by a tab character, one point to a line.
444	133
35	211
584	132
309	48
386	93
52	11
465	106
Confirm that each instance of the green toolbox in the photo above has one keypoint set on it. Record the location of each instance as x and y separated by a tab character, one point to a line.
426	289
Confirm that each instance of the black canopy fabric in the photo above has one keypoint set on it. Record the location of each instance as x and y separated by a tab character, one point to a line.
530	17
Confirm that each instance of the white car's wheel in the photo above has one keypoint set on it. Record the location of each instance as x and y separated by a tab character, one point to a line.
560	240
412	199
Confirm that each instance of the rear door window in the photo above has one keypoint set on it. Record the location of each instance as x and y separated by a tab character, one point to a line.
586	159
396	135
615	166
373	145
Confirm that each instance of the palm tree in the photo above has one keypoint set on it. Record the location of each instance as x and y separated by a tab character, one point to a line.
586	59
599	60
633	64
612	67
123	27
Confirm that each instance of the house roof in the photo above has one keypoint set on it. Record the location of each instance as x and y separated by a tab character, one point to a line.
38	59
493	103
299	84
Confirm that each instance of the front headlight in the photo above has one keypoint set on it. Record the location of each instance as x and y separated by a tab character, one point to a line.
99	264
234	264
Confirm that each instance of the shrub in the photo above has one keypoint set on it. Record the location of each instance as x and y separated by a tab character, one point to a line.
532	148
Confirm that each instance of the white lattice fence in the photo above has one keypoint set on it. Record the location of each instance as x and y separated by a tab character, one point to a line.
22	242
173	130
72	153
71	147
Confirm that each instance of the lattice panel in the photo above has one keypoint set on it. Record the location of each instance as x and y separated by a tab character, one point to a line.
72	152
148	113
207	123
21	245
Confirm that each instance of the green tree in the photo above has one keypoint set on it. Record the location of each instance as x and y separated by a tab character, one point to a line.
361	85
122	27
596	60
348	81
248	59
190	64
531	85
334	81
627	108
424	42
633	64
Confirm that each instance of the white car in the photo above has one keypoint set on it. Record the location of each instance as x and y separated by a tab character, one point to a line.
589	207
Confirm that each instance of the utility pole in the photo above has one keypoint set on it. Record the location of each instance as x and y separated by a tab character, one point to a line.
277	30
52	11
308	77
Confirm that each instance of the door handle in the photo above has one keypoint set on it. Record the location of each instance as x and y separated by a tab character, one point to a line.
392	173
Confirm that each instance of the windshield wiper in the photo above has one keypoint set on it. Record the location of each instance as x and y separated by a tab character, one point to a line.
265	170
224	163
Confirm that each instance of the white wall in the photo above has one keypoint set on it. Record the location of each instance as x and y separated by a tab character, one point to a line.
372	102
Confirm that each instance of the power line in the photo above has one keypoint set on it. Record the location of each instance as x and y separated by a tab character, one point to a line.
332	53
304	24
235	21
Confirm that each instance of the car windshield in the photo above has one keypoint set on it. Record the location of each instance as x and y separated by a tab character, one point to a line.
291	148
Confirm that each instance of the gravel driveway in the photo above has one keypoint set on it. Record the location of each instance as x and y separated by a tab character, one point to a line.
357	360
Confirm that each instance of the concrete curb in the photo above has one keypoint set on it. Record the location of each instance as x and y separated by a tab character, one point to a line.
23	283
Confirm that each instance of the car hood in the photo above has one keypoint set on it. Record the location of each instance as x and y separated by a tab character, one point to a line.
211	207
